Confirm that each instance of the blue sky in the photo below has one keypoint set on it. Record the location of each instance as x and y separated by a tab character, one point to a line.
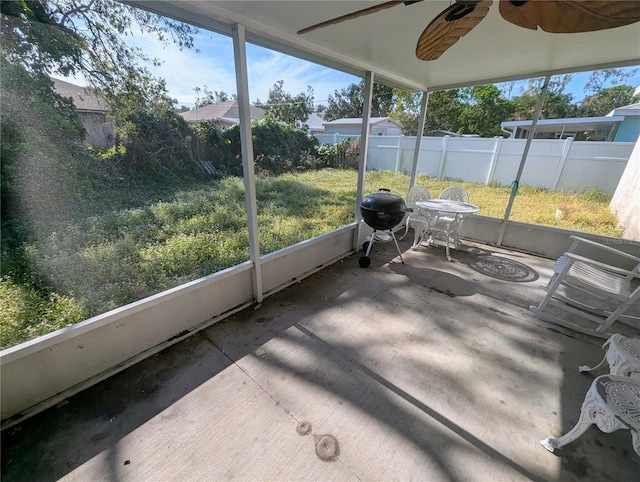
212	66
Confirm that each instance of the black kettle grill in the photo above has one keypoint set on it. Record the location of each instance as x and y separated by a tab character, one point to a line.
382	211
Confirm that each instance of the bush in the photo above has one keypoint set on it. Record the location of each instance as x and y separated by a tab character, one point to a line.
277	148
159	142
343	155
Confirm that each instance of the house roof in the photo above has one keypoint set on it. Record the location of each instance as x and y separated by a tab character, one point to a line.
315	122
574	124
224	111
84	98
356	121
494	51
626	110
616	116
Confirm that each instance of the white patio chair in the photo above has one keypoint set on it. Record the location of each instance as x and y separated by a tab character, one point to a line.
455	193
446	226
416	219
598	291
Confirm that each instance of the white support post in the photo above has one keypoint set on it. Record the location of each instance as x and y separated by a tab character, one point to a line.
516	182
364	148
242	84
416	151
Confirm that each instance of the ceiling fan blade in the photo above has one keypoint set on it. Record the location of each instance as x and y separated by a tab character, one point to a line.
450	26
571	16
352	15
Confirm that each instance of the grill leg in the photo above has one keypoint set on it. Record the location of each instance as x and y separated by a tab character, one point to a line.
371	241
397	247
373	238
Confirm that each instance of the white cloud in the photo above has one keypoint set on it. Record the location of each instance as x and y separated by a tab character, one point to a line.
267	67
184	70
213	66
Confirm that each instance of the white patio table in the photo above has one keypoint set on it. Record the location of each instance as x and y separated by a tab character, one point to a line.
444	217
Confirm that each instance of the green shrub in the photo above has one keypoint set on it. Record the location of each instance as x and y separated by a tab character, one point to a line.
26	313
159	142
277	148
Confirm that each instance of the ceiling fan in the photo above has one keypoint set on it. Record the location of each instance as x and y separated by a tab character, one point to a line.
460	17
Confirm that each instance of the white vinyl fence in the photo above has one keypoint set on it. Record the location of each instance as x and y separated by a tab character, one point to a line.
557	165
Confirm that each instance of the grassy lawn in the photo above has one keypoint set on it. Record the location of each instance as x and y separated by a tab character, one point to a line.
587	211
128	242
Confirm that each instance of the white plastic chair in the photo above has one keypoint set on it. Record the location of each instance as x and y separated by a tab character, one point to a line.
446	226
455	193
597	290
416	219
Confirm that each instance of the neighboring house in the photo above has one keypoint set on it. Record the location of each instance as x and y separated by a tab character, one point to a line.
92	112
620	125
222	113
315	124
378	126
629	129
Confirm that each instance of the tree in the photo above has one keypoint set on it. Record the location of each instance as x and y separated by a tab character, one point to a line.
482	111
406	111
604	101
600	78
556	106
209	97
349	102
557	84
507	88
86	38
284	107
443	111
559	106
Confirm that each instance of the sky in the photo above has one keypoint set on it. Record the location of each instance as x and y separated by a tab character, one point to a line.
211	64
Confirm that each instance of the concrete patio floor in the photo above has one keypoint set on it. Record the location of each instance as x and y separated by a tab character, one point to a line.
427	370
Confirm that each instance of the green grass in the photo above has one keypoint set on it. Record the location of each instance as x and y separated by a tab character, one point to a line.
588	211
125	243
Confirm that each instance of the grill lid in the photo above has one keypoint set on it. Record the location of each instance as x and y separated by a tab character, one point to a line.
383	210
383	201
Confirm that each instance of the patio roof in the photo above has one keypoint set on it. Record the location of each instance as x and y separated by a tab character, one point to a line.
428	370
384	42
